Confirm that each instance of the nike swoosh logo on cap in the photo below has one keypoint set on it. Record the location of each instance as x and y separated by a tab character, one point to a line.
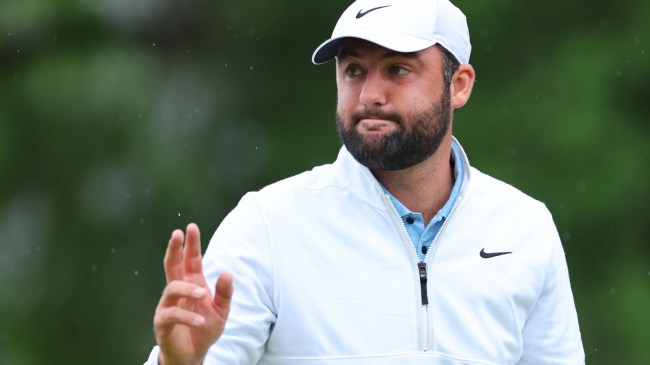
487	255
362	13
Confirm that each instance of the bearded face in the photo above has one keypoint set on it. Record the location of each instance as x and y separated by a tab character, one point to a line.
417	137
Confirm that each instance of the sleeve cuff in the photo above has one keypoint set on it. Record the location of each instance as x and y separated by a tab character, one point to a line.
153	357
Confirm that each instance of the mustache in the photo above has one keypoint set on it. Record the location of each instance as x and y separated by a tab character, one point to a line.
376	113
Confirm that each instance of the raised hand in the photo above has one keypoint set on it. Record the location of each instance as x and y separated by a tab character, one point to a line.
188	318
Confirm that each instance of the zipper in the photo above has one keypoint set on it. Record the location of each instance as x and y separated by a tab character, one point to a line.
434	244
422	265
432	248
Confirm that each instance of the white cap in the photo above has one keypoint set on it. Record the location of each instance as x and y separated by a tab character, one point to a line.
402	26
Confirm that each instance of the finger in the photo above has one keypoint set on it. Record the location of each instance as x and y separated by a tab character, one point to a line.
192	251
181	289
169	317
173	262
223	293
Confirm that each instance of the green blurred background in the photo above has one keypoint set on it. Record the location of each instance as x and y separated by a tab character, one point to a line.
121	120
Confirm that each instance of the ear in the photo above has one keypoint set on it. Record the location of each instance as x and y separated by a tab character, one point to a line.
461	85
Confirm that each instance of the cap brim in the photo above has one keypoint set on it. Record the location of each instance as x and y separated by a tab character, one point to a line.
392	40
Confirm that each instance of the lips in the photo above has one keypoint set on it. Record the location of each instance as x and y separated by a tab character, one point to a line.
375	124
377	116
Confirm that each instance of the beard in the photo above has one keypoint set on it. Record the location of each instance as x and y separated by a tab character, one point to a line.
413	142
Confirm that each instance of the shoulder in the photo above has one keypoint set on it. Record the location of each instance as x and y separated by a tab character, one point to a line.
499	194
487	185
345	176
318	178
294	191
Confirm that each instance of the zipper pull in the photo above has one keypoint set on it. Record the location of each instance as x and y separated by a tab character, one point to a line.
422	267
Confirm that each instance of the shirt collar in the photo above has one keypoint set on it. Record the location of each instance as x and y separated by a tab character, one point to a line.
456	160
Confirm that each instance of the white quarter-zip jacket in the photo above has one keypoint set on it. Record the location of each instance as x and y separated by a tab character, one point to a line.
325	274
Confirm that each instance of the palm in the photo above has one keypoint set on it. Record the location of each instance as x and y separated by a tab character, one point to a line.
188	319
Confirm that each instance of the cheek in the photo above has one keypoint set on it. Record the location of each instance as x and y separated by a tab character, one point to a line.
346	99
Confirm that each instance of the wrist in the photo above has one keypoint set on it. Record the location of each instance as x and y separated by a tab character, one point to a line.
163	361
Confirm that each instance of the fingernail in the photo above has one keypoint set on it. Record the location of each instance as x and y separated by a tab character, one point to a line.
198	320
199	292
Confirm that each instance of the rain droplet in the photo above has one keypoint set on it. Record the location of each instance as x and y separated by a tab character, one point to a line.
179	214
93	268
135	273
250	68
612	291
154	44
113	250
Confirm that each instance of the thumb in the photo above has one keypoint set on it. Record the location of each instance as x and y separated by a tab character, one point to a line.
223	293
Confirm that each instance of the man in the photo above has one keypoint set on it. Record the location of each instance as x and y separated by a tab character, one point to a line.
397	253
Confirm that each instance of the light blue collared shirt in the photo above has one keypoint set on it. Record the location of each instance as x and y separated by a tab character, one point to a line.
421	236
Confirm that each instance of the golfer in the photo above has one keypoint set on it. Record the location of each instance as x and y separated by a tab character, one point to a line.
399	252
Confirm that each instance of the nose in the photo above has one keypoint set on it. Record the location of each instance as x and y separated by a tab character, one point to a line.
374	90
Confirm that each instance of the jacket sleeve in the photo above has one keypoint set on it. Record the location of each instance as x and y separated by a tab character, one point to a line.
241	246
551	333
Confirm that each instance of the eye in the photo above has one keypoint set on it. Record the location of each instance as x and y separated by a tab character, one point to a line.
353	70
397	70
